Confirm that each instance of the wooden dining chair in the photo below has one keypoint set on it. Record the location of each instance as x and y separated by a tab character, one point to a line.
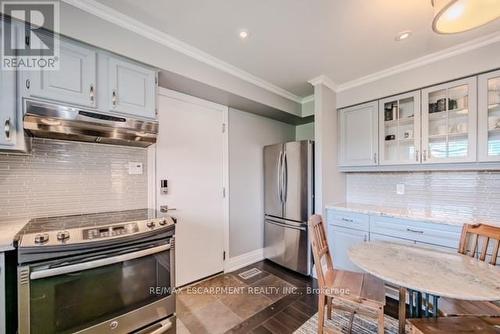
357	292
482	242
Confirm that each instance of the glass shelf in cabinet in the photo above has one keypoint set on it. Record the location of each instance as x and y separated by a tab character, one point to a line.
459	112
438	115
458	134
438	136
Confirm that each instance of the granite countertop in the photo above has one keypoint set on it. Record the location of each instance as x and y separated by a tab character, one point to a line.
8	230
429	270
429	215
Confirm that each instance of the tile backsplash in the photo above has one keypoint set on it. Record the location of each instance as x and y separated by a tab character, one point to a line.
62	177
461	193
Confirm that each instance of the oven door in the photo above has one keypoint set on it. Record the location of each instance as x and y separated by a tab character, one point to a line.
115	293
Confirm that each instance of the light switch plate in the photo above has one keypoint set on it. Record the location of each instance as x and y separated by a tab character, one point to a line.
400	188
135	168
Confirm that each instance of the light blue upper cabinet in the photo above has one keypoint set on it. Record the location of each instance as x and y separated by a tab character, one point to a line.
358	127
74	82
8	111
131	88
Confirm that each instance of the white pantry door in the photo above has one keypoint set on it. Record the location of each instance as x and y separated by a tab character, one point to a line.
191	156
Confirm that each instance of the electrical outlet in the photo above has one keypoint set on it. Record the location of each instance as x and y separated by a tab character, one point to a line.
135	168
400	188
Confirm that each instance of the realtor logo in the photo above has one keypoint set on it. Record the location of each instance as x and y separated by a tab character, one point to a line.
28	35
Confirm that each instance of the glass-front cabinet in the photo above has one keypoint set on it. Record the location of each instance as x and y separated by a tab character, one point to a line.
399	129
449	121
489	116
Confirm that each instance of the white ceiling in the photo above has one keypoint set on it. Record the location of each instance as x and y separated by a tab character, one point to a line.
293	41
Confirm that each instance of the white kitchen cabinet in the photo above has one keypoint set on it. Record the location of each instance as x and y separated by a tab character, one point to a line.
442	235
359	135
351	220
347	229
340	240
9	122
399	129
131	88
449	122
8	110
75	80
489	116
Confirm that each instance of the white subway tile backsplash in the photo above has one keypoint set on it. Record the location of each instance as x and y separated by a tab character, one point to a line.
62	177
466	194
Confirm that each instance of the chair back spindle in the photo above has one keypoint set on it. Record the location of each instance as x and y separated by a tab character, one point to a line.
475	240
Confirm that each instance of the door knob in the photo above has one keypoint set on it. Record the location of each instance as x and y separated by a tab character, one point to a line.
165	208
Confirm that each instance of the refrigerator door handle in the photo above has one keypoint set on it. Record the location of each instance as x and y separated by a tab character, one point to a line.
285	178
280	189
286	225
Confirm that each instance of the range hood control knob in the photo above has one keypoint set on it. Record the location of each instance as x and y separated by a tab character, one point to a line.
150	224
41	238
163	221
61	236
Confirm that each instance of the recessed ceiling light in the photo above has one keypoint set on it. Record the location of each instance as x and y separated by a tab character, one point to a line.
243	34
454	16
403	35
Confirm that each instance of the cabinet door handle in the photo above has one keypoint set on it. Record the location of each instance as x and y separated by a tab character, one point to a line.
414	231
364	238
375	158
424	155
114	98
416	155
92	95
7	129
28	84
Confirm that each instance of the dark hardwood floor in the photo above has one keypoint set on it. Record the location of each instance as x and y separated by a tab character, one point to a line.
289	313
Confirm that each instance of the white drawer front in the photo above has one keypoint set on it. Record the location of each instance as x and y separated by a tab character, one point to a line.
422	232
350	220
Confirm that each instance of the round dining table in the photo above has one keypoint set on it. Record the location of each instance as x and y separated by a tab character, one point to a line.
427	271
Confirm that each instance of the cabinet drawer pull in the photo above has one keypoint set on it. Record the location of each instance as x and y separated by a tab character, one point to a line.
114	98
415	231
7	129
348	220
92	95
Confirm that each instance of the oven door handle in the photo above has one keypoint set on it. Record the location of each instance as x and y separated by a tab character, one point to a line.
97	263
165	325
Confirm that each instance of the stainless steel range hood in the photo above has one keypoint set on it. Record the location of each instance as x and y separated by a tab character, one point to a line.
56	121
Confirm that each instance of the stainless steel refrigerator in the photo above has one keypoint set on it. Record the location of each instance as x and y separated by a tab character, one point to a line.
289	202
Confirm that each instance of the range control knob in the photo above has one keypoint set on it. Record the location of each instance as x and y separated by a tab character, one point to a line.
150	224
163	221
41	238
63	235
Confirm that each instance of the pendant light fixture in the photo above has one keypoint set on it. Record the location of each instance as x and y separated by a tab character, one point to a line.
454	16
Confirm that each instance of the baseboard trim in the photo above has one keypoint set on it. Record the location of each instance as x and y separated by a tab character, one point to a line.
243	260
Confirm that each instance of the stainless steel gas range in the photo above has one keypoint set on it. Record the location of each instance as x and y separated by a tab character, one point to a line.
98	273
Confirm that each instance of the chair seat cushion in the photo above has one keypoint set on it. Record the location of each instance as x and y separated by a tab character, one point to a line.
454	307
358	287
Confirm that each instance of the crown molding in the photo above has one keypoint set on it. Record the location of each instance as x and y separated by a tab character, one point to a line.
427	59
324	80
307	99
113	16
